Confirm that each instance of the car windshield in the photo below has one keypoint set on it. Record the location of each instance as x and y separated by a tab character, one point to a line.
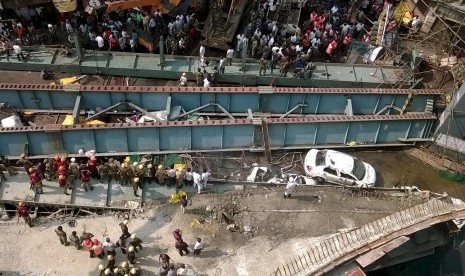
320	158
359	169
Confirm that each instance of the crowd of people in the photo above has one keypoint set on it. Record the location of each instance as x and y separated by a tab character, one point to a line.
128	243
65	171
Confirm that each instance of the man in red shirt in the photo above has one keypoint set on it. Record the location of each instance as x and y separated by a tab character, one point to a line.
23	211
35	180
85	180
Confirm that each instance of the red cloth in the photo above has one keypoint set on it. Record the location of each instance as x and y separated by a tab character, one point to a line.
34	177
85	177
23	211
62	182
88	244
92	165
57	164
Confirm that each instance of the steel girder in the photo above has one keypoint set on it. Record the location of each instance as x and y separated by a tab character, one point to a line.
217	135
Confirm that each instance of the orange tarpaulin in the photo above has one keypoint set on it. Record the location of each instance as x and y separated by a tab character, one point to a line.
125	5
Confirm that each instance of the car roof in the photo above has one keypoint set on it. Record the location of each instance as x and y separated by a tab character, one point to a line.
340	161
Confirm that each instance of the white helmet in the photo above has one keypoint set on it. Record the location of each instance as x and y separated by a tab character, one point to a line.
101	267
131	249
110	257
116	270
160	167
133	236
73	159
135	164
133	270
136	179
291	179
124	264
107	271
141	166
50	26
149	166
125	222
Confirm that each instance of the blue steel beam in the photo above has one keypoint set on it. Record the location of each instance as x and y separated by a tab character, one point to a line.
233	99
214	135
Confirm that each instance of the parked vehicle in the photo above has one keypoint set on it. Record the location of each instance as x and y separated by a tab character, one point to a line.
338	168
267	175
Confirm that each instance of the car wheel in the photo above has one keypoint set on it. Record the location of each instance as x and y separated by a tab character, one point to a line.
319	180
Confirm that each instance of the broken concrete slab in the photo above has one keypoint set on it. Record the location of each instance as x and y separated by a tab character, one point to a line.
120	194
96	197
53	193
17	188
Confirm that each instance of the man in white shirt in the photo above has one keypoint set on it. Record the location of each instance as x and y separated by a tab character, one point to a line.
183	80
197	182
189	177
182	270
109	247
202	51
18	51
205	175
100	42
290	187
222	65
229	56
198	246
206	83
171	176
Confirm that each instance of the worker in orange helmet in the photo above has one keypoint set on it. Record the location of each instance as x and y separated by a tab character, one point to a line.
63	182
35	181
23	211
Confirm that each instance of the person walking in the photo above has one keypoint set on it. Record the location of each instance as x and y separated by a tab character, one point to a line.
74	240
171	176
136	242
61	235
109	247
23	212
160	174
18	51
35	181
121	243
198	246
85	180
183	203
229	56
290	187
197	182
124	228
263	65
131	255
177	234
135	185
182	247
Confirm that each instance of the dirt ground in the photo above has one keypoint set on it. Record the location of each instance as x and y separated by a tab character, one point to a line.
267	228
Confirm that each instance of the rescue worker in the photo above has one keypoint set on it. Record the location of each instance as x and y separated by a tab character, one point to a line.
124	229
63	183
199	77
35	181
181	175
290	187
135	271
114	169
41	168
111	262
189	179
85	180
121	243
74	239
92	166
49	170
108	272
160	174
135	185
101	268
164	259
124	267
97	248
109	247
139	171
104	172
61	235
136	242
149	172
171	176
73	169
263	66
133	167
23	161
87	243
183	80
23	212
117	272
5	162
125	174
56	164
131	255
85	236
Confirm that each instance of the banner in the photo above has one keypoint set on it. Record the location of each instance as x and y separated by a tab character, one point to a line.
65	5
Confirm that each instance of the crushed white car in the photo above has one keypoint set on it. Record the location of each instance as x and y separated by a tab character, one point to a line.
339	168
